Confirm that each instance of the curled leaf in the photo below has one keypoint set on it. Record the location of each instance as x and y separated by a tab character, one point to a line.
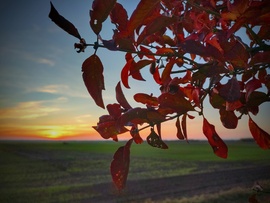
155	141
120	97
179	133
63	23
120	165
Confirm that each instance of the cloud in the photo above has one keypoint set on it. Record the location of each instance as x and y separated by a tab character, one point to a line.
31	57
53	89
27	110
83	118
44	61
60	89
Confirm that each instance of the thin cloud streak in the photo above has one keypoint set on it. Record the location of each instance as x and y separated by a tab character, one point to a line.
27	110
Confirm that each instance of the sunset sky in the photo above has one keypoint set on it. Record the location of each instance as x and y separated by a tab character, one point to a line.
42	94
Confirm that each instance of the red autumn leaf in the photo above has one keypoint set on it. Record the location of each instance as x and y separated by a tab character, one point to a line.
119	16
155	141
114	110
251	86
120	165
146	52
228	118
262	75
179	133
92	69
99	13
135	135
63	23
132	116
154	116
164	51
108	129
156	76
195	47
121	98
146	99
166	74
219	147
143	9
236	53
261	137
125	72
137	75
260	58
257	98
184	125
139	65
231	90
176	102
216	101
231	106
156	25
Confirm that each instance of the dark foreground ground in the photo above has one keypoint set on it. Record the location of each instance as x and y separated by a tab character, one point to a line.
79	172
182	186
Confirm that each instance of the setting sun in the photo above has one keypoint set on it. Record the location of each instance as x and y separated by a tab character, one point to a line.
54	134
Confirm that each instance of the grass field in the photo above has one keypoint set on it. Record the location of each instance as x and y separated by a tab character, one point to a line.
79	171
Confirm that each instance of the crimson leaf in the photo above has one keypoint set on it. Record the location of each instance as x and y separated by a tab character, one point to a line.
219	147
260	136
120	165
231	90
92	69
120	97
228	118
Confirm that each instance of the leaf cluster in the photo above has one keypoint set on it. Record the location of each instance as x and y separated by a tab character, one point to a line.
192	51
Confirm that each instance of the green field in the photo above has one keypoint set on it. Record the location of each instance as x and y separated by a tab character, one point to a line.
71	171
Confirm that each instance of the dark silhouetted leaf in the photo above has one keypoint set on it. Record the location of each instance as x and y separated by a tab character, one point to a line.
134	116
120	165
120	97
108	129
155	141
261	137
195	47
228	118
219	147
63	23
92	69
179	133
184	125
135	134
257	98
251	86
114	110
231	91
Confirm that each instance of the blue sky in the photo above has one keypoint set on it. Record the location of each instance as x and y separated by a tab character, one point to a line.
41	89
